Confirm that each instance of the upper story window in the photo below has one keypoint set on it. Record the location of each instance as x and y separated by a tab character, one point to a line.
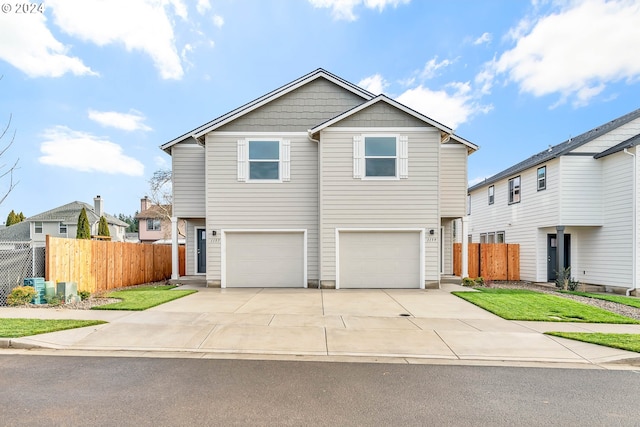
542	178
154	224
380	157
263	160
62	229
514	190
491	194
38	227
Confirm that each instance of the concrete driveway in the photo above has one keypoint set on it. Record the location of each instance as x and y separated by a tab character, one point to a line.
408	326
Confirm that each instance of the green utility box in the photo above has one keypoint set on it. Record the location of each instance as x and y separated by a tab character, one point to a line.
38	284
67	291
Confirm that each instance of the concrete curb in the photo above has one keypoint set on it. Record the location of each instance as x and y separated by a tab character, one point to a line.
19	345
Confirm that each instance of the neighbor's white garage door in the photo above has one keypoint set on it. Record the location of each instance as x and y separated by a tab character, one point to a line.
270	259
379	259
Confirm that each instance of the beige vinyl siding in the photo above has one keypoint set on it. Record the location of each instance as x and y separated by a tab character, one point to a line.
188	180
298	110
611	138
606	253
520	221
581	191
254	205
382	115
453	180
376	204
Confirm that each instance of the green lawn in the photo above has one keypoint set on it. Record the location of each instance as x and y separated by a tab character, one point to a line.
520	304
630	342
16	328
620	299
142	298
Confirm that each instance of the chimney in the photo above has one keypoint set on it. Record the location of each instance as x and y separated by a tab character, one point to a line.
98	208
145	204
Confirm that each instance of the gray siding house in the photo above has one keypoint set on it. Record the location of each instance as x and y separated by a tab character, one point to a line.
572	205
319	183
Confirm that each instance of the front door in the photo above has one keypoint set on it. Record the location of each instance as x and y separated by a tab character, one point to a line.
552	255
201	244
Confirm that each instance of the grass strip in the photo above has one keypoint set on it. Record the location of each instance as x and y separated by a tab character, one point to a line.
520	304
142	298
16	328
620	299
630	342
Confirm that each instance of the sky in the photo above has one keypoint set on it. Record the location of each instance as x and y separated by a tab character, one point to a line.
91	88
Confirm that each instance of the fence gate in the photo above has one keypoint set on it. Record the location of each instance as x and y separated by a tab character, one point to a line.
18	261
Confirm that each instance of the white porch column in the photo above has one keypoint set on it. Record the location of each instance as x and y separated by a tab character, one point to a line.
175	269
465	246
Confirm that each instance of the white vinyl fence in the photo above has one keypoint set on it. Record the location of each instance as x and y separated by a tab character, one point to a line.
18	261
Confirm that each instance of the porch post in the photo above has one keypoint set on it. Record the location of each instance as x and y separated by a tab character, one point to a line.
465	247
560	248
175	270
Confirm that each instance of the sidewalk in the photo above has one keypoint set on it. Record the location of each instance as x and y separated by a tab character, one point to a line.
398	326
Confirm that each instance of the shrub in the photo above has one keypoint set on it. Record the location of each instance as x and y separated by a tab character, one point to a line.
84	229
84	295
468	281
21	295
103	227
479	281
54	300
565	282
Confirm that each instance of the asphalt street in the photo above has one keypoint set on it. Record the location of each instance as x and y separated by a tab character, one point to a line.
108	391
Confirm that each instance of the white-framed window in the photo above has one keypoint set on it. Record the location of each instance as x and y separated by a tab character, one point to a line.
380	157
542	178
468	204
491	194
37	227
62	228
500	237
514	190
264	160
491	237
154	224
483	237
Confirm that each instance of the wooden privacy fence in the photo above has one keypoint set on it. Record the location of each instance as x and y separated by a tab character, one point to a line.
492	261
100	265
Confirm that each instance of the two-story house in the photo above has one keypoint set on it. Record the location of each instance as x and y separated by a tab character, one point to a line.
154	223
62	221
319	183
572	205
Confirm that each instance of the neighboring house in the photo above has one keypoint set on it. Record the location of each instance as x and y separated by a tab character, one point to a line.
154	223
574	204
63	222
319	183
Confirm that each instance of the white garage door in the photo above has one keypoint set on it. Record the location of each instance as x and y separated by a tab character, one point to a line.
379	259
270	259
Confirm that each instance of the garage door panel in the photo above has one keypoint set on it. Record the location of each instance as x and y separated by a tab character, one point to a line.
270	259
380	259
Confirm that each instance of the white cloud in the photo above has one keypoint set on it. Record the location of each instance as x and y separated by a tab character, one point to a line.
203	6
343	9
161	162
85	152
484	38
32	48
375	84
432	66
218	21
125	121
450	107
574	52
142	25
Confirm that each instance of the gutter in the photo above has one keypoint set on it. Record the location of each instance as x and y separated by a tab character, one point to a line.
634	238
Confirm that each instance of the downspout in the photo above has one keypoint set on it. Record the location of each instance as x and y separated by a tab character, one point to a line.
317	141
633	226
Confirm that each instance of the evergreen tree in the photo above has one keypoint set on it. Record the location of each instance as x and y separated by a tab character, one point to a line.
84	229
11	218
21	217
103	227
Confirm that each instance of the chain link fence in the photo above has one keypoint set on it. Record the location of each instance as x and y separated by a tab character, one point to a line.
18	261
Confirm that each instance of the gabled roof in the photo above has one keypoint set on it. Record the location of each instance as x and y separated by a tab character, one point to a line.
19	232
259	102
68	214
396	104
155	211
560	149
631	142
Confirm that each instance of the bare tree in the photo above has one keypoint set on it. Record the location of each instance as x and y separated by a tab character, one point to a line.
7	170
161	196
